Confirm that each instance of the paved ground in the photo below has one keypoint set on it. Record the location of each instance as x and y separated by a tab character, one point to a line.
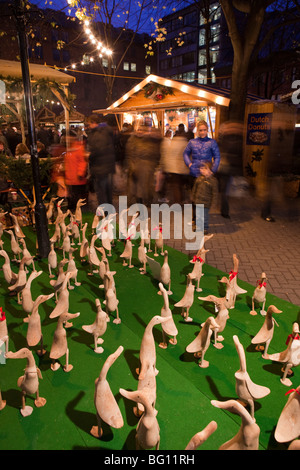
270	247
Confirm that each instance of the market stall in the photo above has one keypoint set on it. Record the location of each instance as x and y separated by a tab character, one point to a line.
164	103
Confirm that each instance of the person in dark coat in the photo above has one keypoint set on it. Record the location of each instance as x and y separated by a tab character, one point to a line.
100	145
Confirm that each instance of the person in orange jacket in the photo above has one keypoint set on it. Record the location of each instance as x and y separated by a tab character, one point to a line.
76	168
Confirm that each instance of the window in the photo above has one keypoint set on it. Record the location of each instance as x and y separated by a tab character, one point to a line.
125	65
177	61
202	37
188	76
133	67
202	58
148	69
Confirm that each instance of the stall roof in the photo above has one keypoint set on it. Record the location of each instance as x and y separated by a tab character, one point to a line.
10	68
185	95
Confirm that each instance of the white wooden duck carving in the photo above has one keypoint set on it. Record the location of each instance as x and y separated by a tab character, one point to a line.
16	227
15	247
56	235
147	431
247	437
84	243
9	275
26	254
187	300
232	288
72	269
168	327
58	283
159	241
288	425
50	210
20	282
111	301
34	330
259	295
27	301
52	260
127	253
197	271
29	382
221	318
98	327
142	256
147	349
106	405
62	305
265	334
201	343
289	358
92	255
78	212
59	346
246	390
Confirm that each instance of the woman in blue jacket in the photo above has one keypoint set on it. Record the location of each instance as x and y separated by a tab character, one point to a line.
199	151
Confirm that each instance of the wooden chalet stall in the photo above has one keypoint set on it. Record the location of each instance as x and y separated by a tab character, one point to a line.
164	103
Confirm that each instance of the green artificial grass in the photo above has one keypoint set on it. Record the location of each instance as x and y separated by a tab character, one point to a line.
184	390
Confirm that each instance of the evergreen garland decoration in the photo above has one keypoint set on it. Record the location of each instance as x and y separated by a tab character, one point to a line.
157	92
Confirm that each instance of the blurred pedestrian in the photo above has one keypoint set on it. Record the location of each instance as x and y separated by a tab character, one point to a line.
230	141
22	152
101	158
173	165
142	159
75	171
204	193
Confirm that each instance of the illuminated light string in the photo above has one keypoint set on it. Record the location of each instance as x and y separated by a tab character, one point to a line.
101	49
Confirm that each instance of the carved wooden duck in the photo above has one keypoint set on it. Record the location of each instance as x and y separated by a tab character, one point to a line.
201	343
142	256
288	425
27	302
9	275
52	260
62	305
187	300
168	327
29	382
232	288
147	349
21	280
197	273
202	436
246	390
147	431
127	253
105	403
265	334
247	437
15	247
111	301
98	328
221	318
59	346
34	330
259	295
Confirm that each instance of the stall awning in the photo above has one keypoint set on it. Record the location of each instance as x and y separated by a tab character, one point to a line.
10	68
183	95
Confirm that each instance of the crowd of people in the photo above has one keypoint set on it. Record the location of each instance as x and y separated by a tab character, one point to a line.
180	167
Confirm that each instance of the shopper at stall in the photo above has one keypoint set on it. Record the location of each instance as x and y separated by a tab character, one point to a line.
100	145
22	152
204	194
75	171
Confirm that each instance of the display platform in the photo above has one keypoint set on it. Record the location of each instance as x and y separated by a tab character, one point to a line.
184	390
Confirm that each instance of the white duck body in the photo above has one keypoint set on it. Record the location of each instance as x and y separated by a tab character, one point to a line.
56	235
147	382
111	301
27	302
26	254
147	431
197	271
52	260
288	425
290	358
147	349
34	330
21	280
59	346
72	269
168	327
105	403
50	209
165	273
58	283
221	318
127	253
98	328
29	382
247	437
66	245
246	390
159	242
92	254
202	251
187	300
62	305
259	295
9	275
265	334
15	248
142	256
232	288
78	212
103	265
17	229
201	343
84	244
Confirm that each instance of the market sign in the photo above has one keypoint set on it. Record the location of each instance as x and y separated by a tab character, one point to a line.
259	129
